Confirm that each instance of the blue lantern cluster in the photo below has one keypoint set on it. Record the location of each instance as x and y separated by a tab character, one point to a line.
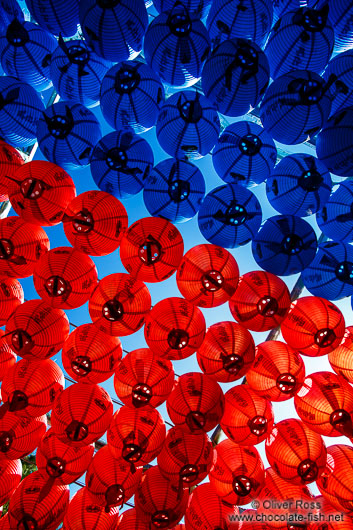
234	80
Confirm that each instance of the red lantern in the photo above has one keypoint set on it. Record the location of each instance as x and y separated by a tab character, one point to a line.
81	414
251	520
196	403
136	435
59	461
33	505
10	477
174	328
94	223
238	473
119	304
11	296
83	513
313	326
341	358
10	161
336	481
37	331
151	249
19	436
89	355
330	517
277	372
227	352
295	452
158	501
110	481
248	418
4	522
65	278
7	356
21	246
207	511
261	301
30	387
276	488
186	459
325	404
130	520
207	275
40	191
143	379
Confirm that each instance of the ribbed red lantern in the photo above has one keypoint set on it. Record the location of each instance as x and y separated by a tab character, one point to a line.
313	326
331	518
341	358
33	505
295	452
136	435
119	304
11	296
83	513
158	501
336	481
94	222
130	520
89	355
143	379
196	403
325	404
207	511
10	161
248	418
21	246
40	191
59	461
174	328
65	277
4	522
19	436
207	275
81	414
37	331
261	301
227	352
30	387
10	477
186	459
7	356
151	249
277	372
110	481
238	473
275	487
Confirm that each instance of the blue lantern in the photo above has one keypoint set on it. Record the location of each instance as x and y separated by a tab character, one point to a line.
284	245
339	73
20	110
121	162
235	76
25	52
230	216
199	8
174	190
131	96
295	107
248	19
330	274
244	154
334	144
299	185
9	9
336	217
176	46
114	29
188	125
56	16
67	133
300	40
77	72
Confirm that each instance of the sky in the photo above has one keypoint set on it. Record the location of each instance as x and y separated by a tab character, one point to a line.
110	264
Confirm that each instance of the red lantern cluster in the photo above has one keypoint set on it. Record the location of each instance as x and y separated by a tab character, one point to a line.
10	162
